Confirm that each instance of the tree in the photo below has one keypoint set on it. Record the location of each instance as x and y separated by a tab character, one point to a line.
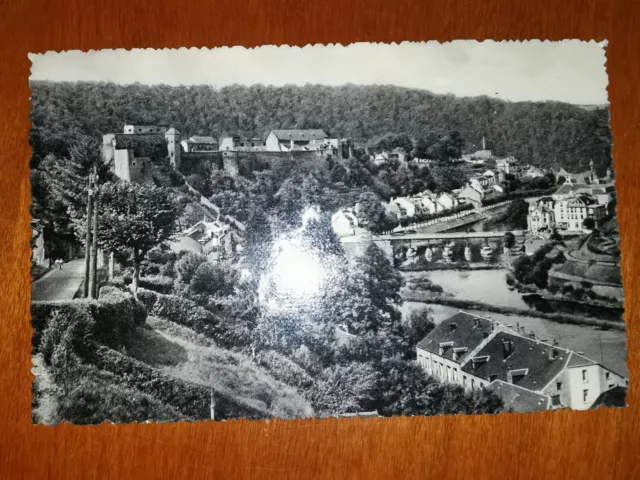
372	213
344	389
589	223
448	178
419	324
509	240
213	279
258	242
137	218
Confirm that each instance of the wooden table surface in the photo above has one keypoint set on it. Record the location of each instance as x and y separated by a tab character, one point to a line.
578	445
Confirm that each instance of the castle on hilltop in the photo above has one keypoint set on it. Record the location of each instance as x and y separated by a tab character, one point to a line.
134	152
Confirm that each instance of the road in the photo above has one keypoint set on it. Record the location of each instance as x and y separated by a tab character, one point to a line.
59	284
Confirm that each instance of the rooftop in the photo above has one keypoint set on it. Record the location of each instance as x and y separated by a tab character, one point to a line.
199	139
519	399
510	355
459	331
300	135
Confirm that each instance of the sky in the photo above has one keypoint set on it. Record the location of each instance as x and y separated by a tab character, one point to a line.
570	71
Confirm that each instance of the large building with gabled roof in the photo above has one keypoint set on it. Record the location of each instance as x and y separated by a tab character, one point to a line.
529	374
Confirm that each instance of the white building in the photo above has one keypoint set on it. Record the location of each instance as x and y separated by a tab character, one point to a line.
344	222
296	139
402	207
529	374
541	214
447	201
199	144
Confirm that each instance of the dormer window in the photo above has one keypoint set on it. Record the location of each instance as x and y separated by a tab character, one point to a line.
514	376
477	361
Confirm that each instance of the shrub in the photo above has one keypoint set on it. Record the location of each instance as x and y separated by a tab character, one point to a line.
158	283
283	369
116	314
188	398
179	310
70	326
187	265
213	279
93	401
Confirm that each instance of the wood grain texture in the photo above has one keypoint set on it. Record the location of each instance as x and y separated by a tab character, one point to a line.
581	445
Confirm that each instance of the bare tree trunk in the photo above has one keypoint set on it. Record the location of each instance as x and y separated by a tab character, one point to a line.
87	243
111	266
136	274
93	270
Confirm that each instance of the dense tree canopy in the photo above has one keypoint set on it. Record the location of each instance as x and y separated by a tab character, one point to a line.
543	134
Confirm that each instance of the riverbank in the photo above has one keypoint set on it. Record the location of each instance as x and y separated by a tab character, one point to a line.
429	297
426	267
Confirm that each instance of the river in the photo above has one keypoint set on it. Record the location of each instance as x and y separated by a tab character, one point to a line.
488	286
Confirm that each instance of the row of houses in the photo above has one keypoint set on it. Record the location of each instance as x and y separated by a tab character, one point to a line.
291	140
528	373
217	239
569	206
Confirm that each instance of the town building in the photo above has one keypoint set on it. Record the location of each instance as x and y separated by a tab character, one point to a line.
401	207
541	215
345	222
426	203
384	157
471	195
199	144
447	201
568	207
215	239
509	166
534	172
144	130
529	374
289	140
236	143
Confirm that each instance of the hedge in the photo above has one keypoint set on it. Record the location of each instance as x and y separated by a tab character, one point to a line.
179	310
518	194
285	370
158	283
115	314
188	398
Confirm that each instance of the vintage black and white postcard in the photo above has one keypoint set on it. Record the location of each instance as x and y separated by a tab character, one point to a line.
328	231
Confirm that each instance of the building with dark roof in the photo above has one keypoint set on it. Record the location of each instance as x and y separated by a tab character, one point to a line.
478	352
288	140
199	143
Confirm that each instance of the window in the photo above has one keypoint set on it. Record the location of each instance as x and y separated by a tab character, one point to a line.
585	394
607	375
473	386
464	381
558	386
584	376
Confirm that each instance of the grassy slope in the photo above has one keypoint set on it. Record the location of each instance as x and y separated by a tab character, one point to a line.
178	351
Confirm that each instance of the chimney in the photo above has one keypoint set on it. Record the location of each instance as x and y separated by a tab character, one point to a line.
553	351
507	348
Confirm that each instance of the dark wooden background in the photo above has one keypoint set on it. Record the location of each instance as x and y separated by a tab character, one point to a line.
577	445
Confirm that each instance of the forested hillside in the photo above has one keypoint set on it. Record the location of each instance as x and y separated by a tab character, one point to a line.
543	134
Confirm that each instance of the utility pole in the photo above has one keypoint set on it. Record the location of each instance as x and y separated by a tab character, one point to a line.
212	406
87	242
93	269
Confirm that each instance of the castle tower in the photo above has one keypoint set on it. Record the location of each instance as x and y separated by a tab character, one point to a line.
173	146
